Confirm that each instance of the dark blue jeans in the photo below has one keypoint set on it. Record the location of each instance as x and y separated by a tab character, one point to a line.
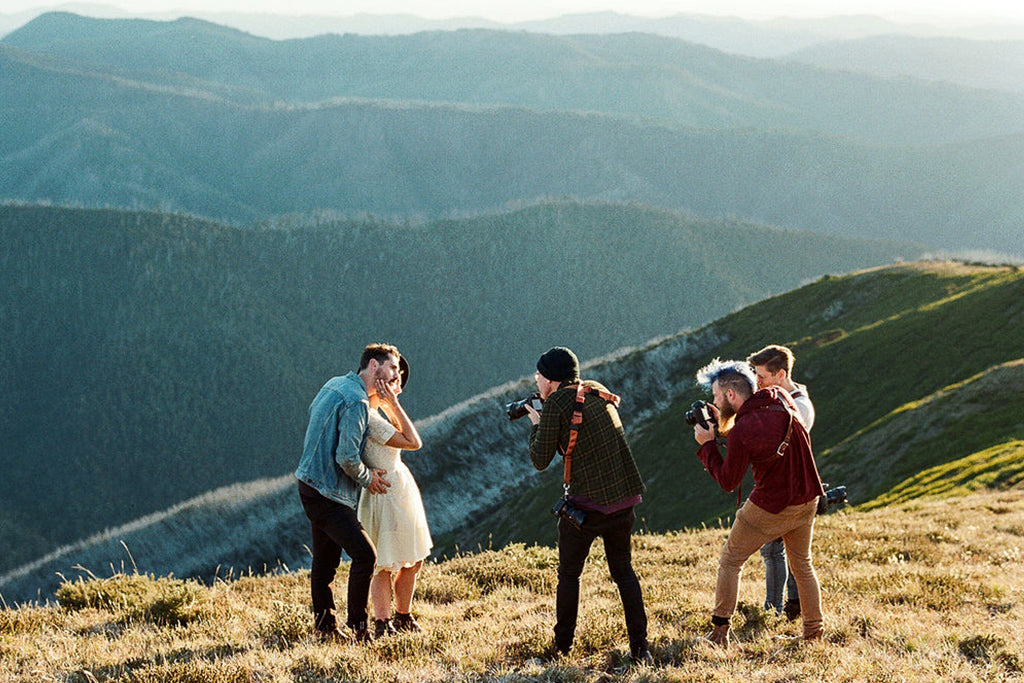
573	548
777	576
336	528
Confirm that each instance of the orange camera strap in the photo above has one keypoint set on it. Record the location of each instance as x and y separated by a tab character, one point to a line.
577	419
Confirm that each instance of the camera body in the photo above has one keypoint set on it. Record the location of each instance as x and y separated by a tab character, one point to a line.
572	514
834	496
517	409
700	414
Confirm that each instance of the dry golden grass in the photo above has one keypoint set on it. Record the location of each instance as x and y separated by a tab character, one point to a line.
930	590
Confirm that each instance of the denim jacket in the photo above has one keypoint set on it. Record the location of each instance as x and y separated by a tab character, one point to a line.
331	453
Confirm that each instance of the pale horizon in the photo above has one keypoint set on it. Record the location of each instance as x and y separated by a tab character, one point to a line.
939	11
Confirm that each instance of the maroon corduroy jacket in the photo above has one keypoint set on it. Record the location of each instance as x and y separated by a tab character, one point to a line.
778	482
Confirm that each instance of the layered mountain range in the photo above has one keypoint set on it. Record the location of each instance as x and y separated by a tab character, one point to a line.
199	226
193	117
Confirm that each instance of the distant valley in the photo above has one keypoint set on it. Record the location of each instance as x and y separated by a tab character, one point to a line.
199	225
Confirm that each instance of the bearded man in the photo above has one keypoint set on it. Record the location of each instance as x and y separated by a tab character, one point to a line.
764	433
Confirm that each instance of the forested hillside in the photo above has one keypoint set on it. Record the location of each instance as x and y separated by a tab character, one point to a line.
914	385
147	358
238	128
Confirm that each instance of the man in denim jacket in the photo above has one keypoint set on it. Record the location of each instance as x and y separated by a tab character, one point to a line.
330	474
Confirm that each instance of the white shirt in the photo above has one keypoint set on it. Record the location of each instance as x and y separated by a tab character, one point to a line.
803	405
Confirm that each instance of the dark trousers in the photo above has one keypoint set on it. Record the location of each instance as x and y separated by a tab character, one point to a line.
573	548
336	528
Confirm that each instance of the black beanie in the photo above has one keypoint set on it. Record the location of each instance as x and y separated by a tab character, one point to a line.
559	364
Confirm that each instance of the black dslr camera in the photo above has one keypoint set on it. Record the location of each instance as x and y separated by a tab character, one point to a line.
700	414
517	409
835	496
572	514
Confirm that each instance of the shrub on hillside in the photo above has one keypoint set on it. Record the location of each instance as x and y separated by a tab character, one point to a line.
164	601
532	568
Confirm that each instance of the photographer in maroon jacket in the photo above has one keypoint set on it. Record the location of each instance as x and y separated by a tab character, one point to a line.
764	433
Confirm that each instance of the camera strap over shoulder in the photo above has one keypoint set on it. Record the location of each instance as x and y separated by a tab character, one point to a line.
781	450
577	419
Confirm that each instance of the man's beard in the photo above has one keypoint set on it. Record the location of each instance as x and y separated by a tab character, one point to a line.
726	419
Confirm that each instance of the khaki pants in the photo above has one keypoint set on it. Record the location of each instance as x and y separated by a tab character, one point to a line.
753	528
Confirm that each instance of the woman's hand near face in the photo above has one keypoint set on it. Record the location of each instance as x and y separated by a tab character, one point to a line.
389	391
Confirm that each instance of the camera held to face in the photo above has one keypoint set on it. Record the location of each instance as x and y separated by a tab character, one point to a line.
517	409
832	497
700	414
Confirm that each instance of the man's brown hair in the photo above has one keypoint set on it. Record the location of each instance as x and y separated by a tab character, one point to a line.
773	357
378	352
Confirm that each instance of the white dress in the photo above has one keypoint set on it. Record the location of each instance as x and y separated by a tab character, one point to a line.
395	521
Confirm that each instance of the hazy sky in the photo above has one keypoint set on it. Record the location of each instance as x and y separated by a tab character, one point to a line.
516	10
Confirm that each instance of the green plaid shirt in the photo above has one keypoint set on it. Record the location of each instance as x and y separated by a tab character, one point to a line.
603	468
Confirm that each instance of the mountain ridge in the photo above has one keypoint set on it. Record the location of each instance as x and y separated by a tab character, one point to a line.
629	74
612	118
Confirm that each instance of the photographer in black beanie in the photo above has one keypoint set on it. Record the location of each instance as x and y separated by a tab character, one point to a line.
602	488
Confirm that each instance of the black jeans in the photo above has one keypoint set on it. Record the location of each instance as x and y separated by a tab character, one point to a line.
336	528
573	548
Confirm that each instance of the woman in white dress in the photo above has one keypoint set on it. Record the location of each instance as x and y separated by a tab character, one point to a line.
395	520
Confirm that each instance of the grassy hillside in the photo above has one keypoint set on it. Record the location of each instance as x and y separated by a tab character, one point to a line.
890	357
922	591
870	360
138	347
971	429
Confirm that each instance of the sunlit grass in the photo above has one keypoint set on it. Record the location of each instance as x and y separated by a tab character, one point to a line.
929	590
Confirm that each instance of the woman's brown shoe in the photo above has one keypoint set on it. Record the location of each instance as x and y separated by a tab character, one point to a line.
405	622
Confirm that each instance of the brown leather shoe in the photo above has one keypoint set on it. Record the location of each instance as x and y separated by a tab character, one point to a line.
360	633
405	622
816	634
719	635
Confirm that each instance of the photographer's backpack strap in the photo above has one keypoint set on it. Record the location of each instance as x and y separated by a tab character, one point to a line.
780	451
577	419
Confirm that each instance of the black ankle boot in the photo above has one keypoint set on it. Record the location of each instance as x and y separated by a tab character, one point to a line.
383	627
405	622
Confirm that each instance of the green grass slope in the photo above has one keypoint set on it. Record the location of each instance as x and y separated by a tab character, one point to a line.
963	437
935	336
